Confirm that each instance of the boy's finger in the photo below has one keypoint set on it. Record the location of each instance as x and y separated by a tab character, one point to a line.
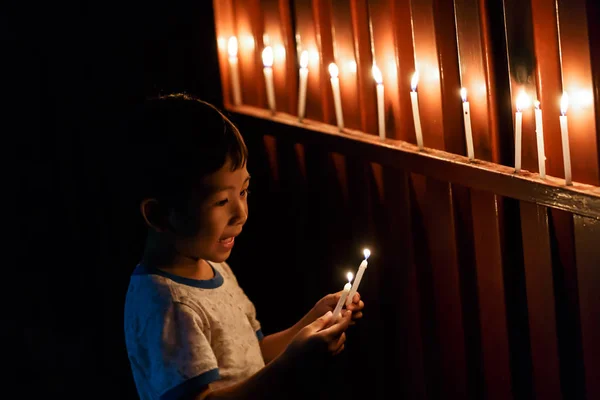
357	315
338	326
356	298
356	306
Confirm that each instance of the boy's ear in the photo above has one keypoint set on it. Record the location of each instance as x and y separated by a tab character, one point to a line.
155	214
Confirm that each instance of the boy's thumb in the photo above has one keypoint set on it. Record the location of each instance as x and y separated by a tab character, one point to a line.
322	321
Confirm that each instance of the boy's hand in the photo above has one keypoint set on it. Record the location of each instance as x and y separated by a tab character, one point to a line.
329	302
322	335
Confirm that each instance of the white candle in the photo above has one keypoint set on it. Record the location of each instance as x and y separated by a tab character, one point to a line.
342	300
359	275
539	134
303	83
564	132
467	119
267	56
380	101
337	98
232	49
522	102
415	109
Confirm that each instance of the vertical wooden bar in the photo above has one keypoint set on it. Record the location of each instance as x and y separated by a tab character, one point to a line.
435	50
322	17
567	304
278	32
540	301
473	76
433	25
549	87
587	251
519	43
490	280
438	261
344	55
249	29
306	39
578	82
390	24
225	29
364	65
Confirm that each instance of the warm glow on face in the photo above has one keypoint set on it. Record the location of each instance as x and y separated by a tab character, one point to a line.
304	59
414	81
377	75
523	101
334	70
564	103
267	56
350	276
367	253
463	94
232	46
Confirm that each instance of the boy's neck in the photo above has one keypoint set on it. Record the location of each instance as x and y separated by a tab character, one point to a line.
164	256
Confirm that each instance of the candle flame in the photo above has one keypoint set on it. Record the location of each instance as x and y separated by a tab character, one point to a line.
537	104
367	253
414	81
564	103
523	101
463	94
232	46
350	276
377	75
304	59
267	56
333	70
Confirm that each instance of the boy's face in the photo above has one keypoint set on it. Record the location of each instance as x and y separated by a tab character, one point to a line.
207	229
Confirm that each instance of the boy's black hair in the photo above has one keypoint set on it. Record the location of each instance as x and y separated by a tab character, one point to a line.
177	140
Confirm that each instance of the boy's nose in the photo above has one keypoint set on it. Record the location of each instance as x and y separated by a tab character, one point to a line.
240	214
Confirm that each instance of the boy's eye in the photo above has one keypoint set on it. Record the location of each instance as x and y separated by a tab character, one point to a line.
222	202
245	192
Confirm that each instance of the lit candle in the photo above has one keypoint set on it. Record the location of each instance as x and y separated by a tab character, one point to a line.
267	56
337	98
467	119
232	49
564	132
415	109
539	133
380	101
342	300
359	275
522	102
303	83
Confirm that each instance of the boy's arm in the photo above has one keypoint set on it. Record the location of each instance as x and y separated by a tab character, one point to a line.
274	344
283	377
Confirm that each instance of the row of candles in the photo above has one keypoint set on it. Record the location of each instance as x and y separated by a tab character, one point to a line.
523	102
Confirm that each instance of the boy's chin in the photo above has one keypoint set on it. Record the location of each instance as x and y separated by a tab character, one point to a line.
220	257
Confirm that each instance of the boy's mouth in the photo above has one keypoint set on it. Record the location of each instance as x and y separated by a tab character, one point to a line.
228	240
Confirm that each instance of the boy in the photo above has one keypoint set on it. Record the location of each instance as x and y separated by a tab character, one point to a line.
190	330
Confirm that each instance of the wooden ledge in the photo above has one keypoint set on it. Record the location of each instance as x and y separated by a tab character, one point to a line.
581	199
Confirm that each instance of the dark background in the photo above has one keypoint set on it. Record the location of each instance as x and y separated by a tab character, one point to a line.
71	71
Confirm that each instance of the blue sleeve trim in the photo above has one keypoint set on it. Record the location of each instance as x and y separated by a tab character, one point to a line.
259	335
191	386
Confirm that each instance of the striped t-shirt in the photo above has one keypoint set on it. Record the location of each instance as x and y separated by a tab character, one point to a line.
182	334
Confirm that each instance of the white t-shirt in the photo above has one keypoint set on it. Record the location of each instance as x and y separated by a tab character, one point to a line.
182	334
